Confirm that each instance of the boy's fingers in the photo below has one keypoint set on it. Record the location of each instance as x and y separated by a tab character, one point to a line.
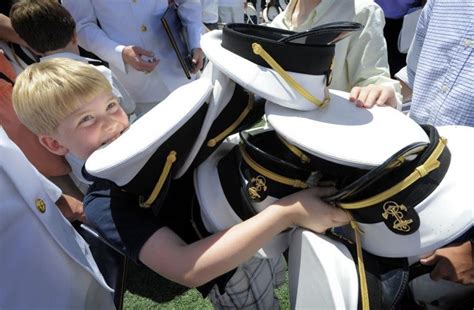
383	98
361	99
340	217
372	97
324	191
354	94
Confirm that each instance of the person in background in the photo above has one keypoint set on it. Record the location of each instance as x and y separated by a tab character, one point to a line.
210	13
438	80
438	77
231	11
360	65
45	263
138	52
394	11
7	33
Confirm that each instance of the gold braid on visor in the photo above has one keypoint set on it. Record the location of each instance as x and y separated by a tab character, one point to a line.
260	51
419	172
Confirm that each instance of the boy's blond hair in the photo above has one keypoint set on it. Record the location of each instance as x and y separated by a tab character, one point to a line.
46	93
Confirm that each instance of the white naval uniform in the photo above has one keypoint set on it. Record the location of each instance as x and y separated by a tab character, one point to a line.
136	22
44	262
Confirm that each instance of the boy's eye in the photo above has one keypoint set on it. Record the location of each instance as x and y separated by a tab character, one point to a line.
86	119
112	106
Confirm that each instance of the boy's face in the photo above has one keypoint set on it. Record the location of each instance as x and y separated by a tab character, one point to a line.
96	123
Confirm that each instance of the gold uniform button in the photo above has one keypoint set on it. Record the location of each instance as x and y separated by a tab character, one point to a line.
40	205
143	28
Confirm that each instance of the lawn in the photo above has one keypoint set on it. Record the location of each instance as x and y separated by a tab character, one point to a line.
147	290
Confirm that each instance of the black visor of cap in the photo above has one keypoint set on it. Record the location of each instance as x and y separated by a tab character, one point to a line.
292	57
409	197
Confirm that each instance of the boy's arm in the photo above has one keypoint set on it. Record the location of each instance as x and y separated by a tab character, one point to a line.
197	263
7	33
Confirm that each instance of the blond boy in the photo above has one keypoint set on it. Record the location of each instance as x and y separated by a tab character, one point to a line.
71	108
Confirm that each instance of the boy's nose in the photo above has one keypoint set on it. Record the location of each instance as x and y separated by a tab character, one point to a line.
109	124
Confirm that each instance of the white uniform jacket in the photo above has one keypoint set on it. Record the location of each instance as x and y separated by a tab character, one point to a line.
136	22
44	263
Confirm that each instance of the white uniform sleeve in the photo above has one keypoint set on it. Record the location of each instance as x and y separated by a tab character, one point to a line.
190	13
91	37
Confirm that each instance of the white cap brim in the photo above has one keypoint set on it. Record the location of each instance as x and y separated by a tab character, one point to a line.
345	134
122	159
262	81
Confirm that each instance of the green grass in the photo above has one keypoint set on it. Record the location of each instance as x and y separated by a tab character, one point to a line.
148	290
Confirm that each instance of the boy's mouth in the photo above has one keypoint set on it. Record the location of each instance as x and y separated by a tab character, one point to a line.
114	137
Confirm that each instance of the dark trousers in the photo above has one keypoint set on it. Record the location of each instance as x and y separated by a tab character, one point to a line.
396	60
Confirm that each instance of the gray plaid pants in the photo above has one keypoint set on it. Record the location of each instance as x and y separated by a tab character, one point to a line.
252	285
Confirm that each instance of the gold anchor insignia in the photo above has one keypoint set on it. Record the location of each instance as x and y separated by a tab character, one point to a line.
258	184
391	208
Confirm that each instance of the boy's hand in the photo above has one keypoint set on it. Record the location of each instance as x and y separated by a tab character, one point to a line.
71	208
370	95
139	58
309	211
452	263
198	59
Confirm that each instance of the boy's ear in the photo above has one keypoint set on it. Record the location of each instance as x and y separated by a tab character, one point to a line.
53	145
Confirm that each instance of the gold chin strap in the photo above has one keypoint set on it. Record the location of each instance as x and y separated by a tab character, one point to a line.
258	50
429	165
161	181
212	142
269	174
364	291
298	153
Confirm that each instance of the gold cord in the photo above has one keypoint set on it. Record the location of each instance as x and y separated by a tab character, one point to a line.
419	172
269	174
258	50
161	181
212	142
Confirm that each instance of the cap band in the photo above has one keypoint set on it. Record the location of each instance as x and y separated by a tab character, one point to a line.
270	174
432	163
